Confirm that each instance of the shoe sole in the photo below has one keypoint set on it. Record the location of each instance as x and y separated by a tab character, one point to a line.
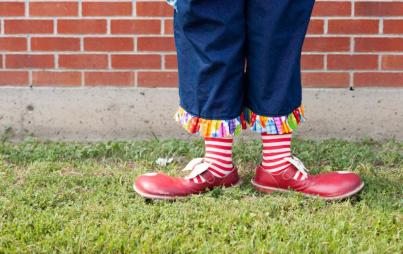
340	197
161	197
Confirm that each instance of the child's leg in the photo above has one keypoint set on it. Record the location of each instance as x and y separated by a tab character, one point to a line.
275	34
218	153
275	149
209	37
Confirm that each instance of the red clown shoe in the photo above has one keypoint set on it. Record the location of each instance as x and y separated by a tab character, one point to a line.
200	180
328	186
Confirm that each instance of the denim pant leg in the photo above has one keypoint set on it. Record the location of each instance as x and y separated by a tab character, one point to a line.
275	33
210	37
213	40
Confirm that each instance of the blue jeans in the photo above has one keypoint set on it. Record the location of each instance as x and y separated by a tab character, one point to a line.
239	63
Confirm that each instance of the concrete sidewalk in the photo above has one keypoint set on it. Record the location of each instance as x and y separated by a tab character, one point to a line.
93	114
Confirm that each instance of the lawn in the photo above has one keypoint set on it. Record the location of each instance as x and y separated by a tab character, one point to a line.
78	198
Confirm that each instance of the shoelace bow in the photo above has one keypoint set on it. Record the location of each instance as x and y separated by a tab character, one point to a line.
197	166
302	170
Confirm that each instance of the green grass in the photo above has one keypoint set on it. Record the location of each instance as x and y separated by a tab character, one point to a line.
78	198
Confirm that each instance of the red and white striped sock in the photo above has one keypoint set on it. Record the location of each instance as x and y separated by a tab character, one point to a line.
275	149
219	154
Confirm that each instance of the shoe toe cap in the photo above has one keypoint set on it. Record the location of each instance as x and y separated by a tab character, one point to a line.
151	184
349	179
340	183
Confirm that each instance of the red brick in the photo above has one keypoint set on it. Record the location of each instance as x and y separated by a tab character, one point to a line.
154	9
339	8
136	26
378	79
13	44
14	78
55	44
81	26
1	61
363	26
325	79
378	44
394	26
83	61
56	78
30	61
326	44
107	8
108	44
28	26
171	62
157	79
352	62
316	26
156	44
312	62
392	62
109	78
379	8
12	8
136	61
168	26
52	9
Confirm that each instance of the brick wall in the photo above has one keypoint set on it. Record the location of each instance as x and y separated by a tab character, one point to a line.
351	43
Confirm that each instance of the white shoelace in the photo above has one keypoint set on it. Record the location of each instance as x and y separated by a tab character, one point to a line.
302	170
197	166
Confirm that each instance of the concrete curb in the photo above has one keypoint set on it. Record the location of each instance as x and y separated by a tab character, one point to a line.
93	114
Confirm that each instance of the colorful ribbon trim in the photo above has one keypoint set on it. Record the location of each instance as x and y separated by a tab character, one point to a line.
276	124
232	127
210	128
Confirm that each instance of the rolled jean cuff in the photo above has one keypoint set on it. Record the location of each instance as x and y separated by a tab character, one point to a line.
210	128
275	124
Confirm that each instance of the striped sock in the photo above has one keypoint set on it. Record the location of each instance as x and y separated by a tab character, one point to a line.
219	154
275	149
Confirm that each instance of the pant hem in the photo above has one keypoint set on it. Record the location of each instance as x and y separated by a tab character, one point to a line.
275	124
228	128
210	128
